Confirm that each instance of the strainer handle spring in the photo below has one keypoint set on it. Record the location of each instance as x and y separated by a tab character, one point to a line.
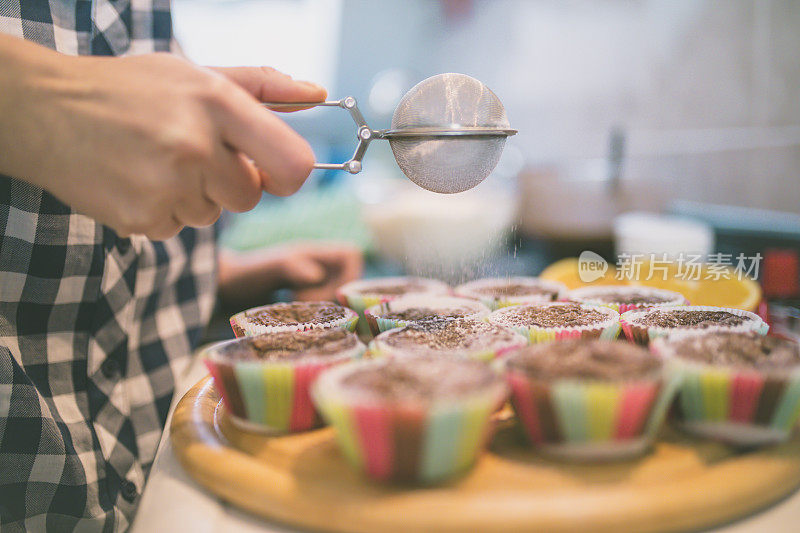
364	133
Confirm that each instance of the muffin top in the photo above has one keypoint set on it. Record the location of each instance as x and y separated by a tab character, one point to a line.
688	318
295	313
290	345
501	288
414	314
397	286
551	315
450	336
417	307
739	349
585	359
625	295
420	378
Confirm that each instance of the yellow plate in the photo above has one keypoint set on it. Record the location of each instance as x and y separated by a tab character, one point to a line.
304	481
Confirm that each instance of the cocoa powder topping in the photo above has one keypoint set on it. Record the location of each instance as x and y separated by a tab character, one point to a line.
677	318
549	316
585	359
739	349
421	378
291	345
291	314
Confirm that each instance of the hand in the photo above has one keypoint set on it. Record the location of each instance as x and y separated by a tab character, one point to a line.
313	270
148	144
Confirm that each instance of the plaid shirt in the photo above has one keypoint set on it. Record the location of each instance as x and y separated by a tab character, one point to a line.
93	327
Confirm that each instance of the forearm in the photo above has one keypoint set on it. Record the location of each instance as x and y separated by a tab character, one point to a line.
147	144
28	78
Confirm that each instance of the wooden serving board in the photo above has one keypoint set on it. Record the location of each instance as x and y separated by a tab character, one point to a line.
303	481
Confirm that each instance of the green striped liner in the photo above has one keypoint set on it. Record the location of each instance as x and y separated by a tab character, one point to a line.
451	435
732	403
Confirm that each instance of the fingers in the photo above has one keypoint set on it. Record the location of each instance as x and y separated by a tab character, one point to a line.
168	227
269	85
302	270
345	260
340	262
283	157
234	182
196	210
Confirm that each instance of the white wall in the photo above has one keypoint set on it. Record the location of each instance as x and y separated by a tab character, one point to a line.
708	91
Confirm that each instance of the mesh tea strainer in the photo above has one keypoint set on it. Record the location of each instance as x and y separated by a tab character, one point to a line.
447	132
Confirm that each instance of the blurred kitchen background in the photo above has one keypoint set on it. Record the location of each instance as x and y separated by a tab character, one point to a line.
686	108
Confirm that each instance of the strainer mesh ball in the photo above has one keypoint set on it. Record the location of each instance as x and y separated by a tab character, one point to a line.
448	164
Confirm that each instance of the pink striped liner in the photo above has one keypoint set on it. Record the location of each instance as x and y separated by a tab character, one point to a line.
627	307
524	406
376	439
218	383
567	334
626	329
745	391
303	414
502	352
634	408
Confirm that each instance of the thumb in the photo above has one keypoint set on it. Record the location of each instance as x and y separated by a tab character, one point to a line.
269	85
304	271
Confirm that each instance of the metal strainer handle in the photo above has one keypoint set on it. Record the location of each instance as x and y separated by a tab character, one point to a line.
364	133
435	112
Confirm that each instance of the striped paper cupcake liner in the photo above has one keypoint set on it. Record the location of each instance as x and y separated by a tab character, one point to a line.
407	443
744	407
591	420
242	328
607	329
271	396
587	295
350	295
378	323
645	334
359	304
472	290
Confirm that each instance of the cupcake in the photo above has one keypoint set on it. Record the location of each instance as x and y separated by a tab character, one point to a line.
411	419
622	298
421	307
739	387
503	292
264	380
294	316
361	294
558	320
474	339
589	399
644	325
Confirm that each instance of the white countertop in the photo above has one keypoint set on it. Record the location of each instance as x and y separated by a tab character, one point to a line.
172	501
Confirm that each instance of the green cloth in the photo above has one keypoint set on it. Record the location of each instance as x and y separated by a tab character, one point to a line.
328	213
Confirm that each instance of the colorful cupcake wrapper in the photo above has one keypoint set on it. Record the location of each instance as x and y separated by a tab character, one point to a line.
350	295
645	334
403	442
718	396
272	395
359	303
584	295
607	330
594	419
379	324
469	290
380	348
242	328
